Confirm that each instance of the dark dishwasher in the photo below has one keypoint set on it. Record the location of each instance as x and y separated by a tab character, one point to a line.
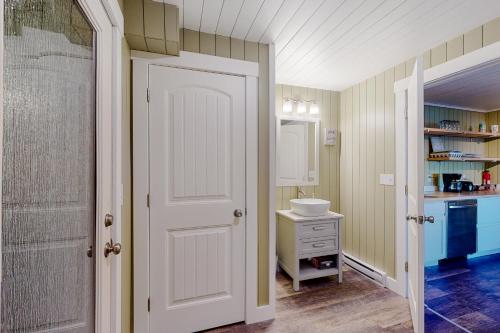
462	228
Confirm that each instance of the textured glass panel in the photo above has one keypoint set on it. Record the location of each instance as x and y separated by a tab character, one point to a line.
48	204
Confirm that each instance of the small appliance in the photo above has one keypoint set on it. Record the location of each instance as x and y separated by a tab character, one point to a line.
467	186
451	182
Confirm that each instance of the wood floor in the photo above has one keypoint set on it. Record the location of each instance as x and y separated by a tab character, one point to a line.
463	296
323	306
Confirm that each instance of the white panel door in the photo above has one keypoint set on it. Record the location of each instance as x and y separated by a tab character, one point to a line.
197	186
416	196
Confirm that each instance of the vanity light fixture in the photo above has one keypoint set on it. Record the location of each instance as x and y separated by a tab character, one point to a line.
287	106
314	108
301	107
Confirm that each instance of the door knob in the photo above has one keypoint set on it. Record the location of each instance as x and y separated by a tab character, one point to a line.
238	213
111	247
420	219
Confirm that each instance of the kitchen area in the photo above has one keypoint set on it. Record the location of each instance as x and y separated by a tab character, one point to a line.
462	193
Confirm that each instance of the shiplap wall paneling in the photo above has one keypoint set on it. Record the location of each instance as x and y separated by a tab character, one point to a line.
328	188
356	185
370	172
389	168
493	146
363	142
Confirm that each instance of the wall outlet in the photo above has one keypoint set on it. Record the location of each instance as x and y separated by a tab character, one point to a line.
387	179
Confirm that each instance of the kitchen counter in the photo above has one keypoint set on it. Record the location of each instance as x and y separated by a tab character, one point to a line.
448	196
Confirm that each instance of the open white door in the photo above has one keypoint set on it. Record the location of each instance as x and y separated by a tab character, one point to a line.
416	196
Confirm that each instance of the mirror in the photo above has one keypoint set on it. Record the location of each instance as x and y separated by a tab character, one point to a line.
297	150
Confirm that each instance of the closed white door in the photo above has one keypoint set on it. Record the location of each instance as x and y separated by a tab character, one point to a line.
416	196
197	199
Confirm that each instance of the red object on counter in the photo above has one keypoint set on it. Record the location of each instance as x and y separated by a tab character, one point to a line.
486	177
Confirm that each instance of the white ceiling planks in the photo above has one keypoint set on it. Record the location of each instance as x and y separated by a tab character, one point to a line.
248	14
210	15
476	90
267	13
299	19
318	20
229	14
281	18
333	44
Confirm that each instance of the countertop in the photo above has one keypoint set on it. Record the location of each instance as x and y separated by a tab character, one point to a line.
448	196
299	218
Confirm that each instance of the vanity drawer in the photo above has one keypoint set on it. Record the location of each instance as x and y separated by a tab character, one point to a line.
317	229
313	246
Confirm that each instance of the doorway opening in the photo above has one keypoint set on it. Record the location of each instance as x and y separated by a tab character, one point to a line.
462	157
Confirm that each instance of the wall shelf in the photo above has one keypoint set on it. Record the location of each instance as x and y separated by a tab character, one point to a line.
461	134
465	159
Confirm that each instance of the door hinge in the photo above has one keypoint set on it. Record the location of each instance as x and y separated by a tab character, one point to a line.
406	267
149	304
147	200
246	212
406	190
147	94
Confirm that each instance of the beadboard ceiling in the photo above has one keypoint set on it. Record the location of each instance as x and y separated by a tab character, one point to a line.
474	90
333	44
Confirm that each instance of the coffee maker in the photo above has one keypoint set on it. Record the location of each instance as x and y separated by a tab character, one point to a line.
451	182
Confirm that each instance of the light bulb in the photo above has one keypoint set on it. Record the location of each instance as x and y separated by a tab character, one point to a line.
287	106
301	107
314	108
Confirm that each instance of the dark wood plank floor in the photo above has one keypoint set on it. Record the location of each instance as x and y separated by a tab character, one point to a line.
323	306
466	293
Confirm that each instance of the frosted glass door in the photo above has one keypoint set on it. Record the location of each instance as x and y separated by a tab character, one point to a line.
48	187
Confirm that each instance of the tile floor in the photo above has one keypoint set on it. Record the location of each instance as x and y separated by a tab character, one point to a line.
466	293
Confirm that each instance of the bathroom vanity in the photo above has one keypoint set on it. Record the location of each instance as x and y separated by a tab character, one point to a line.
302	238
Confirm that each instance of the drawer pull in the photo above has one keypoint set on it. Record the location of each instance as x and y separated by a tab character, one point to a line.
318	228
319	245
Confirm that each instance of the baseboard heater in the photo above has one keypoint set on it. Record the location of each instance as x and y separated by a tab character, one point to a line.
366	269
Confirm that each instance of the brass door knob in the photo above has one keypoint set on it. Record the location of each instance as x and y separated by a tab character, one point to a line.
111	247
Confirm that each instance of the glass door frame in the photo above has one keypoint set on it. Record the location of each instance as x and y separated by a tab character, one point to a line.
106	18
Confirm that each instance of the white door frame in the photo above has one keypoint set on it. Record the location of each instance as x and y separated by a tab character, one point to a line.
102	15
458	66
208	63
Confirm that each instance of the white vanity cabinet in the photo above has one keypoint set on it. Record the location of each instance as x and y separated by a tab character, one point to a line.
301	238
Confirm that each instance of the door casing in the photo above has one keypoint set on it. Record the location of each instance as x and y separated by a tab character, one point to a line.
106	18
200	62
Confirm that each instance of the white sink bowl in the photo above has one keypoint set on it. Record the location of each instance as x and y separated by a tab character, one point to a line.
310	207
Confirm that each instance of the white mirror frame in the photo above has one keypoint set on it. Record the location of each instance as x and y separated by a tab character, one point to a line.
316	121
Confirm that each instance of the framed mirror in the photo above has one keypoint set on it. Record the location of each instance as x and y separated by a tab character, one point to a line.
297	151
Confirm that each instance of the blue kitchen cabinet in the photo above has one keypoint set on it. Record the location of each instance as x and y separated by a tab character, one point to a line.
435	233
488	225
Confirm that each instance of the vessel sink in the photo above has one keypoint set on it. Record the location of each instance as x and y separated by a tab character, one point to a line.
310	207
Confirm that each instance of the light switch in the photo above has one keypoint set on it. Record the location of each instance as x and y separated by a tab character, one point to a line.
387	179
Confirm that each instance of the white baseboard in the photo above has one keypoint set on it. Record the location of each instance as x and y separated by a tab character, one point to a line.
366	269
261	313
394	285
